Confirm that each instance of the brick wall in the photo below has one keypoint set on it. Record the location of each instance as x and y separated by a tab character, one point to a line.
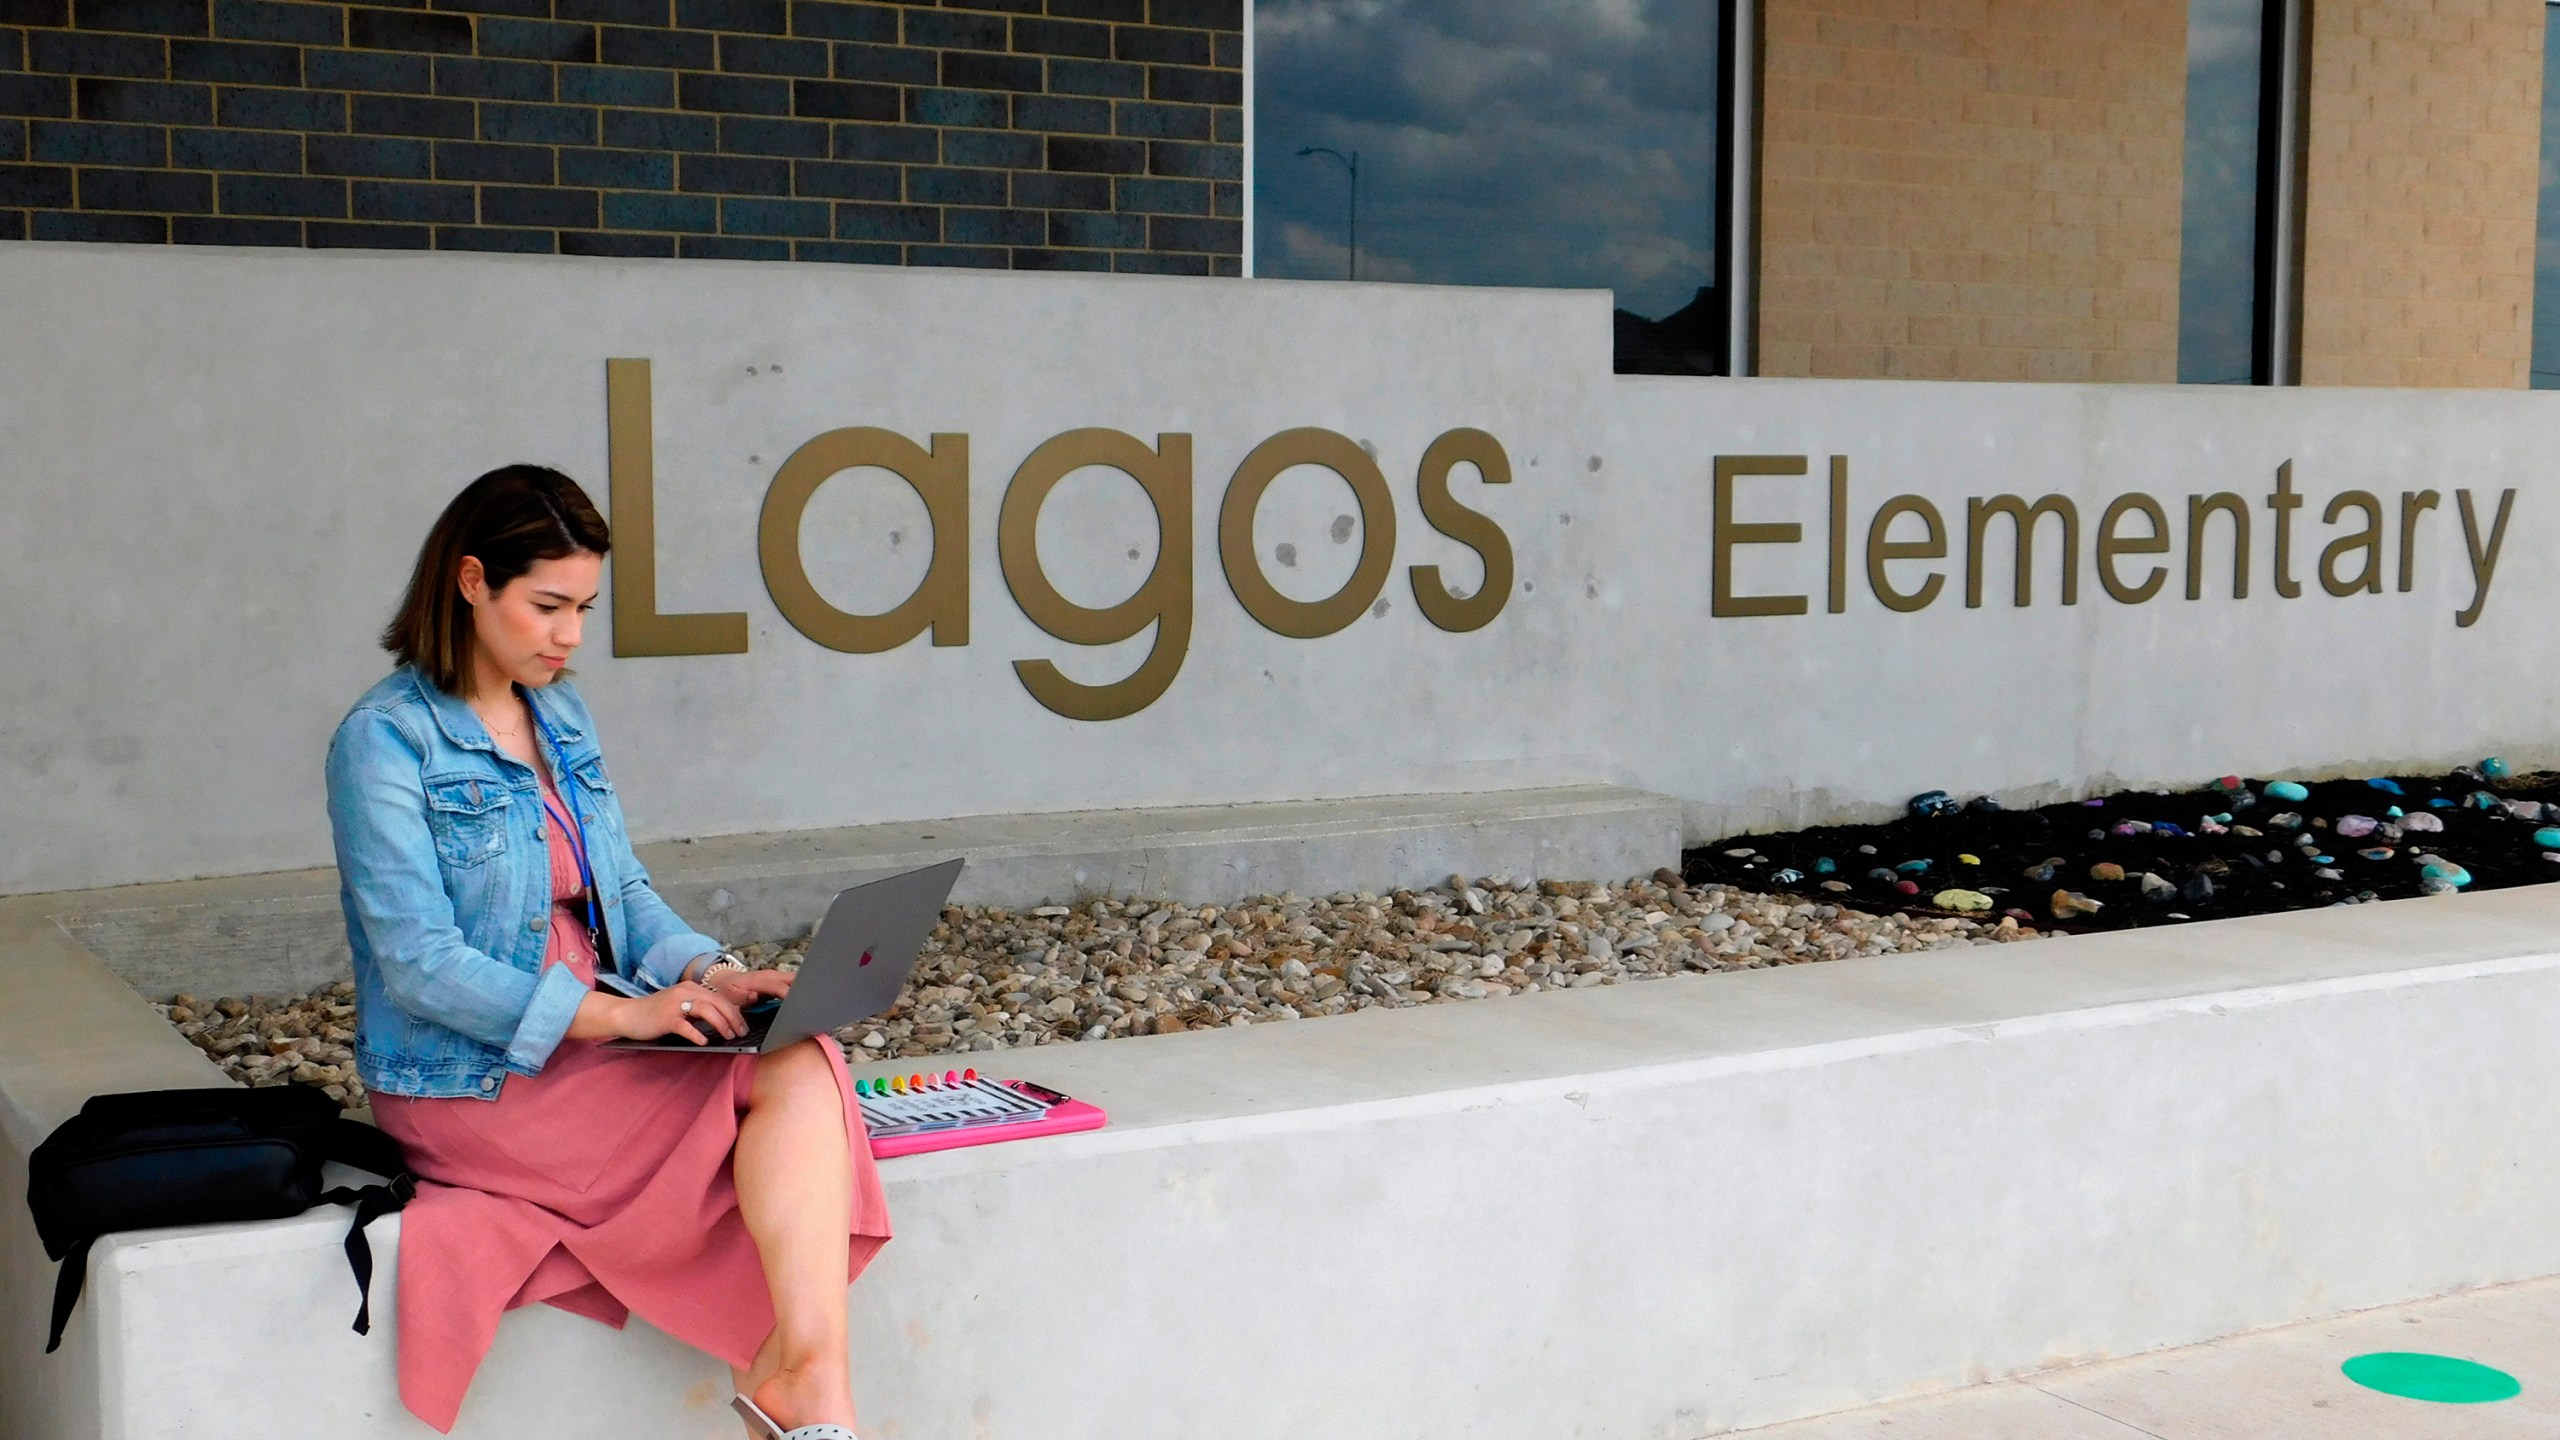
1031	134
2420	189
1980	189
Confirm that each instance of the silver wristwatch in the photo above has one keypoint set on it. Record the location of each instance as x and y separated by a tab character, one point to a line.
725	960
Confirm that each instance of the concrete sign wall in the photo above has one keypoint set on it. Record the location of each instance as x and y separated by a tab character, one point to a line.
1777	600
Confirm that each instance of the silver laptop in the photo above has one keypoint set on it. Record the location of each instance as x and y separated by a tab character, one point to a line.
856	965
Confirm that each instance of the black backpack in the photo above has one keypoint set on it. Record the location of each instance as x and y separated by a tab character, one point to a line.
195	1157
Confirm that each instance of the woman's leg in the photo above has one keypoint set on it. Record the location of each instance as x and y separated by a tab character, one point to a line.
795	1192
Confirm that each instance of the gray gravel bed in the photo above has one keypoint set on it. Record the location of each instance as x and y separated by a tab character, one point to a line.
994	979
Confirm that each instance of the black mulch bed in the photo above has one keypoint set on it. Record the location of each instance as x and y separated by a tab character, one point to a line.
2489	826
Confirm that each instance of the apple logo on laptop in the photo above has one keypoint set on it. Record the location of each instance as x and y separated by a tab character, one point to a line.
866	958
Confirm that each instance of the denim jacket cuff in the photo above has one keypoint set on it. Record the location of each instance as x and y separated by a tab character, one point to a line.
664	964
556	998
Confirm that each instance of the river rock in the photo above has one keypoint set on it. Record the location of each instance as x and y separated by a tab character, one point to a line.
2155	887
2356	827
1962	900
2106	870
2067	904
2288	791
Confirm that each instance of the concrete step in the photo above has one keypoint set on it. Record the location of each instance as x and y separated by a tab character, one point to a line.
1667	1209
282	932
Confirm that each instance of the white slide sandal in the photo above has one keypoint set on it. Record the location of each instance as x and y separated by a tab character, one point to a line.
754	1415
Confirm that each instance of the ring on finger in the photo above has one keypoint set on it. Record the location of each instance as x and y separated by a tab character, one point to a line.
684	1007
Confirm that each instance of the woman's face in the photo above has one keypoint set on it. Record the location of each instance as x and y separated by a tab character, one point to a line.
526	631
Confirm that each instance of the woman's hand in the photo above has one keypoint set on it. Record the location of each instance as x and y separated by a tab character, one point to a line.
661	1012
746	987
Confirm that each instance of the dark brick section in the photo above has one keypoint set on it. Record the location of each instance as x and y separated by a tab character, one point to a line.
1066	135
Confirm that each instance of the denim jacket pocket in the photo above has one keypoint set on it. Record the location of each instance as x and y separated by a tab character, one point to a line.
467	814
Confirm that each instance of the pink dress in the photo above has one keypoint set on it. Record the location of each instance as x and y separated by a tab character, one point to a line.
601	1186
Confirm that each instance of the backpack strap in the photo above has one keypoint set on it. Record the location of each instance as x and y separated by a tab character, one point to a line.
66	1288
360	1146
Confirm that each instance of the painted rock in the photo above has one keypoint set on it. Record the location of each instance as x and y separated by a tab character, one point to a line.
2548	837
2045	870
1913	867
2395	812
1907	887
2495	769
2481	800
2531	812
2174	832
2421	822
2248	832
2023	917
1967	900
2387	787
1825	865
1983	805
2198	886
2227	784
2107	870
2156	888
1932	803
1968	859
2285	820
2211	826
2439	868
2222	819
2356	827
1789	876
1881	873
2440	803
2066	904
1836	887
2324	859
2378	852
2287	790
2134	827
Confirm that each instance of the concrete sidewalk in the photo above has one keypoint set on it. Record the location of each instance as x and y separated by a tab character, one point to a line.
2274	1385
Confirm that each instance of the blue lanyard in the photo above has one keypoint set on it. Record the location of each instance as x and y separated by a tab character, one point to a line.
576	821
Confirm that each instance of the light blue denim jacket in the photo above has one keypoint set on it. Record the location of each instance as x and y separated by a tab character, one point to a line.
445	877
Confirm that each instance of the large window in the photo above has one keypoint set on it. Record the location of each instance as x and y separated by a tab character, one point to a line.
1498	142
2218	251
2546	248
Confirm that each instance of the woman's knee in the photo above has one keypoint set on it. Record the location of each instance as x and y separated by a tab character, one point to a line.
794	1072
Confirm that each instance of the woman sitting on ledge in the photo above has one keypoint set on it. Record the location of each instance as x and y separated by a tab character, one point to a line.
486	878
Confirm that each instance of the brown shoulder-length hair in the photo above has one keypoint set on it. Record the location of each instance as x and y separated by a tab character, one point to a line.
509	518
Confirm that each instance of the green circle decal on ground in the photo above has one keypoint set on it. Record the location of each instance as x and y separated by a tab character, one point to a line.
2440	1378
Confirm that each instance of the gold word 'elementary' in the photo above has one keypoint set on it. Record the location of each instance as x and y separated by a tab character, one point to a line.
2350	564
939	473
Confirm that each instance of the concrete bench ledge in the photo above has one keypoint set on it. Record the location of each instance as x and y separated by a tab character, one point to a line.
1668	1208
280	932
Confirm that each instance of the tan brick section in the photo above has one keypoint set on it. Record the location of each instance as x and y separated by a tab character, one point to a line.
2418	229
1977	189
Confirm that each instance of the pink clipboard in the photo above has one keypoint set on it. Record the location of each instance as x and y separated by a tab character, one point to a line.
1062	1118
